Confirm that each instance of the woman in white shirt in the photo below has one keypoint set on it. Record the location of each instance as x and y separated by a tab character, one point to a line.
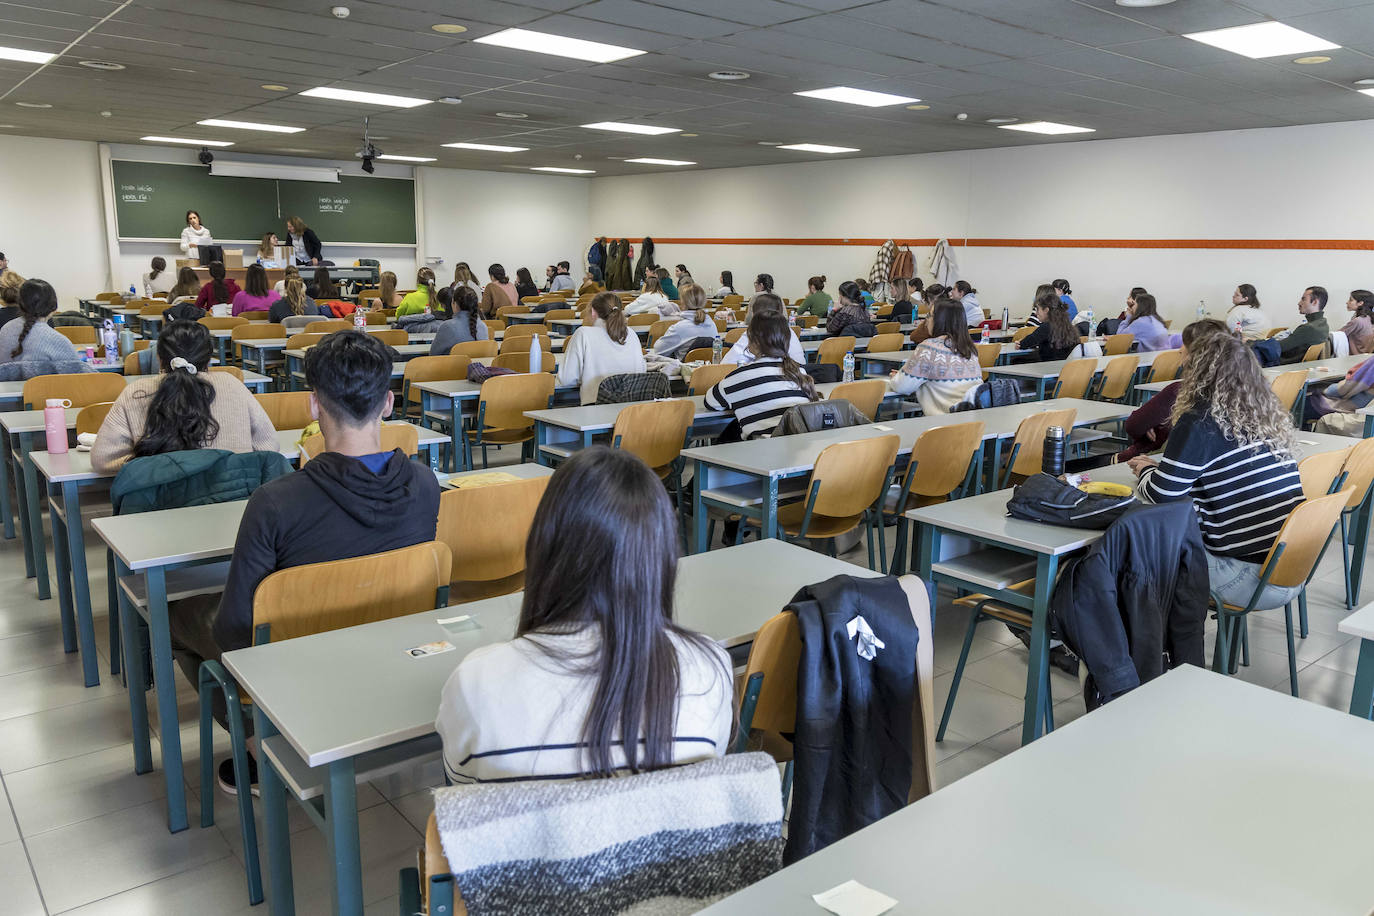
651	300
695	323
740	354
194	235
727	284
602	347
158	281
596	654
1246	317
964	294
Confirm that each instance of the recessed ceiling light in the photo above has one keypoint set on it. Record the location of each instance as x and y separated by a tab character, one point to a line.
249	125
448	28
28	57
101	64
770	143
1368	92
1002	120
187	140
852	96
551	168
818	148
487	147
1263	39
918	108
273	87
512	115
8	125
449	100
729	75
182	70
558	45
1367	81
408	158
661	161
1143	3
364	98
1047	127
34	104
687	135
623	128
1314	59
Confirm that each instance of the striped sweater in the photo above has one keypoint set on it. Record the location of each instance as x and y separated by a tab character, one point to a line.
758	394
1242	493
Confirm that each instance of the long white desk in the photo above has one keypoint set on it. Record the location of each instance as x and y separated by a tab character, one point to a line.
1047	371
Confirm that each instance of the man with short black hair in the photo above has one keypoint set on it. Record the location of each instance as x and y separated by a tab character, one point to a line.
562	279
1313	330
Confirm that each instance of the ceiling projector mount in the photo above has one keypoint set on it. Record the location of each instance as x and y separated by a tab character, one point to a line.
368	152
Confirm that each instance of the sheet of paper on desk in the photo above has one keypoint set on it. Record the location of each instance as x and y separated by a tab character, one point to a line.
853	899
481	480
456	625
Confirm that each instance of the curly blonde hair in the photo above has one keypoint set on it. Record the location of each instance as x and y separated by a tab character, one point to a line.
1222	378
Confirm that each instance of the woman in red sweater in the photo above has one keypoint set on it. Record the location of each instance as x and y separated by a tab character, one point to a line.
218	291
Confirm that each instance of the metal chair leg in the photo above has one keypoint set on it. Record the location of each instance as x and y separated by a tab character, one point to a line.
1292	652
958	673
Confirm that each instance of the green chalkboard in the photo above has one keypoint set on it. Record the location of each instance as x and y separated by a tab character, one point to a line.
151	200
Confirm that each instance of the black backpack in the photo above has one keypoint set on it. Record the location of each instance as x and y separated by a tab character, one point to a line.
1042	498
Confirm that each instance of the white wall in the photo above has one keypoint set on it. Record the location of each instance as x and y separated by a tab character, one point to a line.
1282	183
51	223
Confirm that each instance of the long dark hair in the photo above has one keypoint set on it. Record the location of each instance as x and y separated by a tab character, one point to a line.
849	290
465	300
727	278
771	338
1365	298
36	301
522	275
179	414
1248	293
445	299
159	265
218	288
498	273
608	309
324	284
621	585
255	281
188	284
1145	307
948	320
1062	332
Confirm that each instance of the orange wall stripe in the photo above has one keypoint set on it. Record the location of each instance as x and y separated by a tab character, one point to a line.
1238	244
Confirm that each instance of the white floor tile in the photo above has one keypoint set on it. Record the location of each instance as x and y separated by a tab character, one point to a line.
9	830
38	649
79	788
67	731
20	893
979	710
214	889
48	688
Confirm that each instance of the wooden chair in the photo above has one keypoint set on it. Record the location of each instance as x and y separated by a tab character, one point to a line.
132	366
1274	332
1359	480
1290	563
235	371
521	343
374	319
81	388
1288	387
505	310
656	432
882	309
403	436
885	343
559	315
519	361
330	325
286	409
429	369
704	378
493	327
501	410
659	328
302	601
475	349
395	337
1028	448
304	340
722	325
887	327
1075	378
221	324
808	321
701	355
848	482
256	315
1116	378
1314	353
89	418
524	330
942	466
642	321
988	354
1022	333
733	335
109	297
1117	344
1323	473
832	350
866	395
251	330
1166	365
491	556
79	335
768	705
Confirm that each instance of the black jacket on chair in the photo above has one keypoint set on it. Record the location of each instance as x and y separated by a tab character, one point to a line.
1136	604
853	747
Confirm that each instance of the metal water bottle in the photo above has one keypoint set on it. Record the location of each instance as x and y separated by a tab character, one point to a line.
55	424
1006	318
1052	459
536	354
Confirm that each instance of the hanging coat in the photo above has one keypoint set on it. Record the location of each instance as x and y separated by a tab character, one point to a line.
646	259
882	267
943	269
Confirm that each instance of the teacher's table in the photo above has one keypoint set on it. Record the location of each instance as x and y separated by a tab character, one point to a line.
240	275
336	705
1180	797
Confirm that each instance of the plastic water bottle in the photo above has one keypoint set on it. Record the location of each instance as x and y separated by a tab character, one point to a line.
110	337
359	319
849	366
717	348
1201	309
133	291
987	334
126	337
55	424
1088	317
536	354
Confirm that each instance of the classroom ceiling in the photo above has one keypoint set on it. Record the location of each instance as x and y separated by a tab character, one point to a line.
1126	72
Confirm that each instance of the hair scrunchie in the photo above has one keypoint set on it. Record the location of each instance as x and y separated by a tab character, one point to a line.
179	362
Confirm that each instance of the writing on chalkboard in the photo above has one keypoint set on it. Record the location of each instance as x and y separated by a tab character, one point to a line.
333	204
135	193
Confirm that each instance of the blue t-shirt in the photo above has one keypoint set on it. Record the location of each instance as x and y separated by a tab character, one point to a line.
376	461
1070	305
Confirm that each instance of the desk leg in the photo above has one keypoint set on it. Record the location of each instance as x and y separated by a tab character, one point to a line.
926	544
768	524
21	508
64	588
135	676
5	508
1362	697
1359	542
541	439
37	543
164	679
281	893
1037	670
341	830
1040	388
81	585
699	524
458	436
219	349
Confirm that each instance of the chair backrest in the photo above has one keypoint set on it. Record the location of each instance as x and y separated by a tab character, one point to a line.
330	325
1116	378
1075	378
295	324
493	325
1030	436
559	314
1288	385
89	418
642	320
1274	332
659	328
375	318
883	309
490	557
1359	471
733	335
865	395
79	335
256	331
888	327
432	369
1318	472
704	377
235	371
403	436
286	409
1314	352
885	343
1022	333
319	597
808	321
1166	365
304	339
221	324
523	330
521	343
392	337
940	458
988	354
1118	344
81	388
700	355
474	349
256	315
505	398
832	350
132	366
655	431
851	475
1303	537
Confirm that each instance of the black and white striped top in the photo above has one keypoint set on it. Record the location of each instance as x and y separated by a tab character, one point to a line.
1242	493
758	394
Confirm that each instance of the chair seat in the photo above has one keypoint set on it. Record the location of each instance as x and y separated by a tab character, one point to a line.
461	591
790	519
997	610
494	436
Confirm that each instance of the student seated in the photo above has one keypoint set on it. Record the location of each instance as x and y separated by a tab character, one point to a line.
1313	330
499	292
817	301
158	280
759	392
665	282
964	294
850	315
218	291
351	500
388	297
1054	336
1149	425
591	281
187	287
1230	452
694	323
944	368
742	354
256	296
28	340
10	281
1066	296
463	326
1142	322
727	284
562	278
652	300
1246	317
187	406
1359	330
596	654
903	305
294	302
425	296
290	272
602	347
524	283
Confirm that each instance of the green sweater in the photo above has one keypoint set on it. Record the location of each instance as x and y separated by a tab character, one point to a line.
1311	332
817	303
413	303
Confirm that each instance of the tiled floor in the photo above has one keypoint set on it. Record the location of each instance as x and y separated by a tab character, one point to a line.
81	834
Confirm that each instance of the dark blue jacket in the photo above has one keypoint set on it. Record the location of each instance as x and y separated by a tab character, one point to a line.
197	477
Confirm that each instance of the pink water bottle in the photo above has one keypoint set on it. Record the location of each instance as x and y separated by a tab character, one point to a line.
55	424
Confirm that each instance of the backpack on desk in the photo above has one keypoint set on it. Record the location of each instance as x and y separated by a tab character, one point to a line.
1042	498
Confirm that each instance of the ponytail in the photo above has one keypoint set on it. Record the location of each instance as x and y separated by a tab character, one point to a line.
159	265
425	278
219	290
36	301
180	414
693	299
465	300
770	337
607	308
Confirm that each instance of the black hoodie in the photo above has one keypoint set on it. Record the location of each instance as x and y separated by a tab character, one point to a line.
332	509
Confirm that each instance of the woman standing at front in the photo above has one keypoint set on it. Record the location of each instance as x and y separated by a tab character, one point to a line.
305	244
194	235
